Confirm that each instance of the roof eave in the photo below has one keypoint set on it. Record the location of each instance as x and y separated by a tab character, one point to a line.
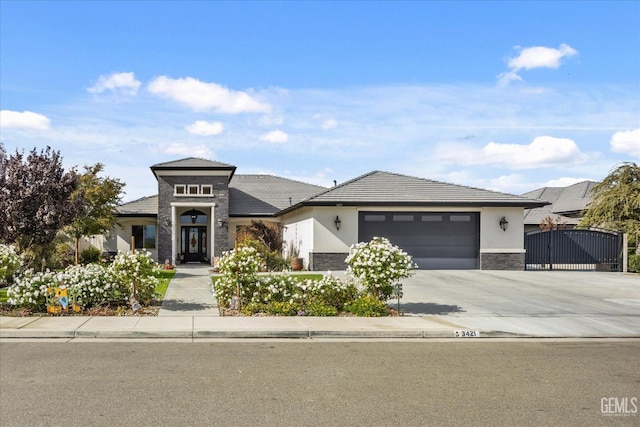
525	204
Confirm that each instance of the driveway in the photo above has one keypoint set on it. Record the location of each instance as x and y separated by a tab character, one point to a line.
545	303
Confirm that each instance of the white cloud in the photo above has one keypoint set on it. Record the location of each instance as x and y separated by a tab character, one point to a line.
191	150
626	142
204	128
329	124
122	83
200	96
534	57
275	137
564	181
543	151
24	120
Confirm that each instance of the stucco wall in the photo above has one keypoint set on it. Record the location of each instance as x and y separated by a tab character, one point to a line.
330	244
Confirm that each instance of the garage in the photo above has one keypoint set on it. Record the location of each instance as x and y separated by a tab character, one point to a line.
436	240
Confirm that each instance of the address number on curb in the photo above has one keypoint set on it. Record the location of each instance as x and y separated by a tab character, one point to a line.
466	334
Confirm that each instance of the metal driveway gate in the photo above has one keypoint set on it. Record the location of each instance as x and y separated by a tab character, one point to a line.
573	250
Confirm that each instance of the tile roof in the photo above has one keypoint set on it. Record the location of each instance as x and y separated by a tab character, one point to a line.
260	195
566	202
391	189
145	206
192	163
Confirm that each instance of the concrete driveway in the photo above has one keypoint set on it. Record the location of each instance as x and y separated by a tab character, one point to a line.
543	303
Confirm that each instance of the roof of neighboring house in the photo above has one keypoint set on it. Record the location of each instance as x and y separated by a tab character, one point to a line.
145	206
260	195
392	189
566	202
193	163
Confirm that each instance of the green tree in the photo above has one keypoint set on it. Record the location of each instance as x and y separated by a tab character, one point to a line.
99	196
616	202
35	200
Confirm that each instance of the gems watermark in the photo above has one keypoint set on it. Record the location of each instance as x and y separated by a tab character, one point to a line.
619	406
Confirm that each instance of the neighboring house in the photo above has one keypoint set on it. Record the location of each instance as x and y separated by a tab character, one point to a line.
200	204
566	205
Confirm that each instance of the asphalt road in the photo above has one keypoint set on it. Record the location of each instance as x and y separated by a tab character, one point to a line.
309	383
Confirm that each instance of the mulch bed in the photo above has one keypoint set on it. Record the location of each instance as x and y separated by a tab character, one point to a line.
151	310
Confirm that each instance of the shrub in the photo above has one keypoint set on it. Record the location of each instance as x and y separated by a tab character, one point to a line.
634	263
89	255
135	271
10	263
368	306
239	270
274	308
378	265
30	290
94	285
331	291
319	309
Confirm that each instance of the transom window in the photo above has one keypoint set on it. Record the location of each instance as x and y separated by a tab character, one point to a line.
190	190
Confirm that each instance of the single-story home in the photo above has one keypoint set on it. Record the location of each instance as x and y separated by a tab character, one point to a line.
565	207
201	203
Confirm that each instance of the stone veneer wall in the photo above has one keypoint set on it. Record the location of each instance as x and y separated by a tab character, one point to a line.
221	211
502	261
323	261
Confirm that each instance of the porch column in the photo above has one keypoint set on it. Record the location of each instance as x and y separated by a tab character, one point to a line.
173	235
212	234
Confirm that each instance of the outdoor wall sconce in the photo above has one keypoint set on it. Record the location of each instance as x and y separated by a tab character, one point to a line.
504	223
337	222
220	223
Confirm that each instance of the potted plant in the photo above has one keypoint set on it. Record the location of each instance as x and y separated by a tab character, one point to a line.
294	252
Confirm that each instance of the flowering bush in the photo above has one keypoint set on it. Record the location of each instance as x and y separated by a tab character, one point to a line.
240	269
135	272
10	262
284	294
93	285
31	289
378	264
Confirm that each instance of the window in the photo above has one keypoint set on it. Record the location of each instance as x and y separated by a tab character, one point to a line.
374	218
205	190
432	218
403	218
144	235
460	218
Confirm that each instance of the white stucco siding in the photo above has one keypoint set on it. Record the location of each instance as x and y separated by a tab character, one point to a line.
298	231
493	238
326	237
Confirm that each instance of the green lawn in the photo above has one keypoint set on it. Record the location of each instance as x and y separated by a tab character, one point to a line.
164	276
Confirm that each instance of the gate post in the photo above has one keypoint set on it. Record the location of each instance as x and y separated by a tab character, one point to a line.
625	254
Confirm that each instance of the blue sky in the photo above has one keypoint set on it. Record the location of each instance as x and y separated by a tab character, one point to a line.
509	96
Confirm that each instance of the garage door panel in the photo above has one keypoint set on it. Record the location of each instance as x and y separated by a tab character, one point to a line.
438	240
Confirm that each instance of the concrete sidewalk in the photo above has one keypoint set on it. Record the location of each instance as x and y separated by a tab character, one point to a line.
194	327
190	293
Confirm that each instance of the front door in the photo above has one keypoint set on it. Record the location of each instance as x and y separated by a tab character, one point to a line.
194	243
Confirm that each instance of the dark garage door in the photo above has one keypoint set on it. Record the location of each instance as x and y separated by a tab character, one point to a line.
436	240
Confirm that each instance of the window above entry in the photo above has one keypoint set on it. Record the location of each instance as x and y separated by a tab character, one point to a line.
191	190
